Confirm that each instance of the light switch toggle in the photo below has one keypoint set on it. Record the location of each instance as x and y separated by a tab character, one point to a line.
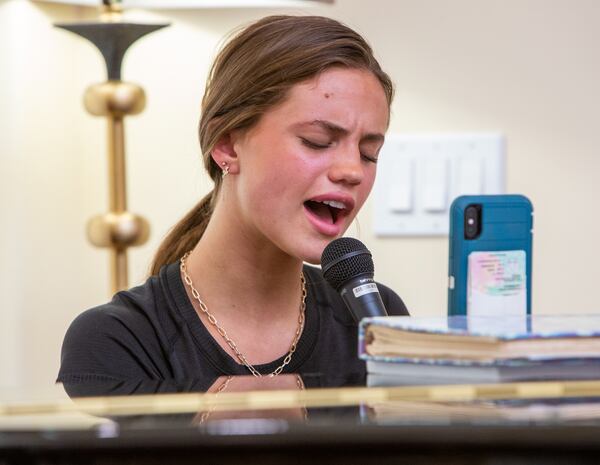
435	188
400	194
470	175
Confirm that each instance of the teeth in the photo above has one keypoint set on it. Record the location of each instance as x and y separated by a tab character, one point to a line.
334	204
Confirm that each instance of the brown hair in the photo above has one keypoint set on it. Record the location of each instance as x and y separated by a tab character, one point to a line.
251	74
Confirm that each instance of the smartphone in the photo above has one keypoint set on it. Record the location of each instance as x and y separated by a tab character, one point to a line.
490	255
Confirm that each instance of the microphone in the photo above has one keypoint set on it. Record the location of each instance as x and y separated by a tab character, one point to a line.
348	267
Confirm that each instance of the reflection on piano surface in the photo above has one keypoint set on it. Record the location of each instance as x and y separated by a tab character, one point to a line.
273	420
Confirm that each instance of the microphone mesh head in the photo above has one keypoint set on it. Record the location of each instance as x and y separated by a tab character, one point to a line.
344	259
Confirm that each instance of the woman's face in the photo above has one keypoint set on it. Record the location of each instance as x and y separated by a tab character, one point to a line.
308	165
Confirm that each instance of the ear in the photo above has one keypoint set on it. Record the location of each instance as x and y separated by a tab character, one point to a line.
224	154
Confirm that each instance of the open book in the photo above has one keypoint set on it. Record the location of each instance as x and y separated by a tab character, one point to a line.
410	350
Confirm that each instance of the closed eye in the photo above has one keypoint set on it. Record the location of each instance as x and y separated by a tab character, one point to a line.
320	146
315	145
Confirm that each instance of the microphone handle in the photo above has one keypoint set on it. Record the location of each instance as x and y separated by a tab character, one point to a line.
362	298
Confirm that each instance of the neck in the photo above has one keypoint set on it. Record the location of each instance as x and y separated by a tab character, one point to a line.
250	286
234	271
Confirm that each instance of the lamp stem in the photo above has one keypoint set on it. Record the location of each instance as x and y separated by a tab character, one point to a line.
116	165
118	268
117	196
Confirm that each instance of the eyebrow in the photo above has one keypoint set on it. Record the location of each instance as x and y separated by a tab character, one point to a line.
340	131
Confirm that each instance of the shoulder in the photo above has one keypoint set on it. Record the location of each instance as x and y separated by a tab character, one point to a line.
114	339
392	301
325	294
132	308
123	313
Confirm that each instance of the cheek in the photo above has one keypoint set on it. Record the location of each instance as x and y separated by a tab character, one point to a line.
274	187
366	186
291	175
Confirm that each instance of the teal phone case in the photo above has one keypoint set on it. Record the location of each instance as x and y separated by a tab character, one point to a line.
506	224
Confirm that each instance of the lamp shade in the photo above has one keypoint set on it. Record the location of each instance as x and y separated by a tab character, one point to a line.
192	4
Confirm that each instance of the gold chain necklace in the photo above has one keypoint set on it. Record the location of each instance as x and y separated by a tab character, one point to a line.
213	321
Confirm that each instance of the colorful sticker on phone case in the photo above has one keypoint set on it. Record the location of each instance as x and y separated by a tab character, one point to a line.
497	283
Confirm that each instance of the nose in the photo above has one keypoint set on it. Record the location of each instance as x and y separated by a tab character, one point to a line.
347	168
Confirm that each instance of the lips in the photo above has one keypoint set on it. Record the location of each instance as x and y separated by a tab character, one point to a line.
327	212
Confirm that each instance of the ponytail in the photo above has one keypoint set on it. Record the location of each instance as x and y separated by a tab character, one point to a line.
184	236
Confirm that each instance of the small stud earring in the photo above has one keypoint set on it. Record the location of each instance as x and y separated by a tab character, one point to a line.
225	169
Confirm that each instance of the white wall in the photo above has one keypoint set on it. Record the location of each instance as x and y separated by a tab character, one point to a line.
526	68
40	186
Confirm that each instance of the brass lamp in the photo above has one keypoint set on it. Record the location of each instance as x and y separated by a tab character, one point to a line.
114	99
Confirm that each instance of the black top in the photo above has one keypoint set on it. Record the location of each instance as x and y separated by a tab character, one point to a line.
153	332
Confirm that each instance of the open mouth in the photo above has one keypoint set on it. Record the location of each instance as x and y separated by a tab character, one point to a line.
327	210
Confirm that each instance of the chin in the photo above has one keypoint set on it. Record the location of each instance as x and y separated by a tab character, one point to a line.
310	255
313	252
313	260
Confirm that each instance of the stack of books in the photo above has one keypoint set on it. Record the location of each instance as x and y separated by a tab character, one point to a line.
464	350
536	410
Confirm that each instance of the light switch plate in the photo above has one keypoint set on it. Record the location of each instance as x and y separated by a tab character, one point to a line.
442	167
